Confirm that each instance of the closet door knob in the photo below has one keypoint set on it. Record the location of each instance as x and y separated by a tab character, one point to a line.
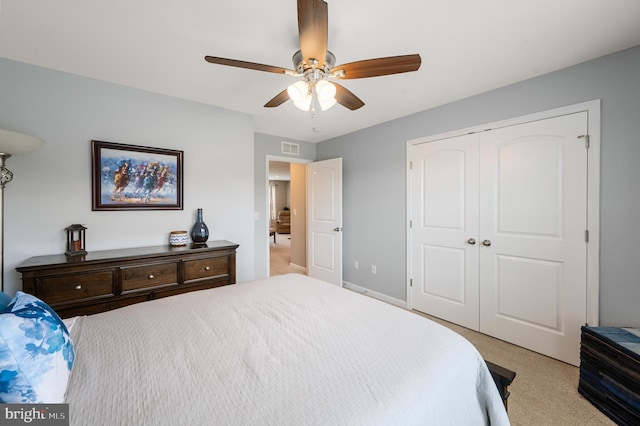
486	243
471	241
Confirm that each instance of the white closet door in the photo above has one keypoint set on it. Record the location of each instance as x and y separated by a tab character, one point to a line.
533	213
444	204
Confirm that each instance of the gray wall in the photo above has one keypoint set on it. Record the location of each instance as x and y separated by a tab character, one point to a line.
283	194
267	146
51	188
374	167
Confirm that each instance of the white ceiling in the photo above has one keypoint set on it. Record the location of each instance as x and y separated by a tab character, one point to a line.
467	47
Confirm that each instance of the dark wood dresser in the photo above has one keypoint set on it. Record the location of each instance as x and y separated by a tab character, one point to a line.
105	280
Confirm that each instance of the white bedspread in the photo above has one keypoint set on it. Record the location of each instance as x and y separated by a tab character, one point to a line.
288	350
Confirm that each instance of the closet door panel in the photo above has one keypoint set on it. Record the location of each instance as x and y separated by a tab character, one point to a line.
444	211
529	190
533	211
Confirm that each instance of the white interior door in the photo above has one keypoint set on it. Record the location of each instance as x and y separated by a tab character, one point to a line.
533	184
444	203
324	220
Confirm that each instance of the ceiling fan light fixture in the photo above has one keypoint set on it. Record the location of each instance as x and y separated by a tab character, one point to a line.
299	93
327	103
326	92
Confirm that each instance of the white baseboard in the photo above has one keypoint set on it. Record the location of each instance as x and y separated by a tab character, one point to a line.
298	267
375	294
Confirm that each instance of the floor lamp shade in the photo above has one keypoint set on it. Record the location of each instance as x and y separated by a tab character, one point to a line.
15	143
11	143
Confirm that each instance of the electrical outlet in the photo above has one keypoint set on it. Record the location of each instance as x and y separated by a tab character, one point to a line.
373	269
355	264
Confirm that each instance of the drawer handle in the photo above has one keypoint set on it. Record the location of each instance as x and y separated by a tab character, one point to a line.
206	268
78	287
151	277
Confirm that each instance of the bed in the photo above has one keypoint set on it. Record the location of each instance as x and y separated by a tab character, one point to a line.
287	350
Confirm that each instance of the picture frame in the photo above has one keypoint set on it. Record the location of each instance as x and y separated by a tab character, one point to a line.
132	177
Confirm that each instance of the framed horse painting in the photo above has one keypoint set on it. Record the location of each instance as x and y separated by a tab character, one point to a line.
131	177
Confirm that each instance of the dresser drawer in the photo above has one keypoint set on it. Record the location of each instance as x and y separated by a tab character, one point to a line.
70	288
148	276
206	268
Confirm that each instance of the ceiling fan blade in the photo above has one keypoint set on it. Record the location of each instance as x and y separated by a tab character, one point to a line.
378	67
278	99
313	26
248	65
347	99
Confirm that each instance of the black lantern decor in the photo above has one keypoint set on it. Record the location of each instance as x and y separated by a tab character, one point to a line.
75	240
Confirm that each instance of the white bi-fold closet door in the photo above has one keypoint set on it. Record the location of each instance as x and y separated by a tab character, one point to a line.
498	232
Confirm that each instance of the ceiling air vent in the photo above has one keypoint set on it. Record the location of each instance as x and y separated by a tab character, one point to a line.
290	148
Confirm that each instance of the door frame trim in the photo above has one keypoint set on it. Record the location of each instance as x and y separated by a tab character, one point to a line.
267	238
593	190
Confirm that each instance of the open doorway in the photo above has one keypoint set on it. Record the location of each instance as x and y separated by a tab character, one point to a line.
287	217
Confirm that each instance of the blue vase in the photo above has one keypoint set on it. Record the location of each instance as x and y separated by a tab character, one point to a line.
199	232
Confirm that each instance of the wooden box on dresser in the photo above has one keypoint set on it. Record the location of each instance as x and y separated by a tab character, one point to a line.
104	280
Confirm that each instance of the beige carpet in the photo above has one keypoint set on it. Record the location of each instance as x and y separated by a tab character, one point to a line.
280	255
544	391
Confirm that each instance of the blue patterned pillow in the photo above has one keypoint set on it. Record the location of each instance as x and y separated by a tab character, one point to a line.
36	353
4	300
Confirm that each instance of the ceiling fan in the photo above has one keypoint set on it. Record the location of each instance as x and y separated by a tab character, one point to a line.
315	64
